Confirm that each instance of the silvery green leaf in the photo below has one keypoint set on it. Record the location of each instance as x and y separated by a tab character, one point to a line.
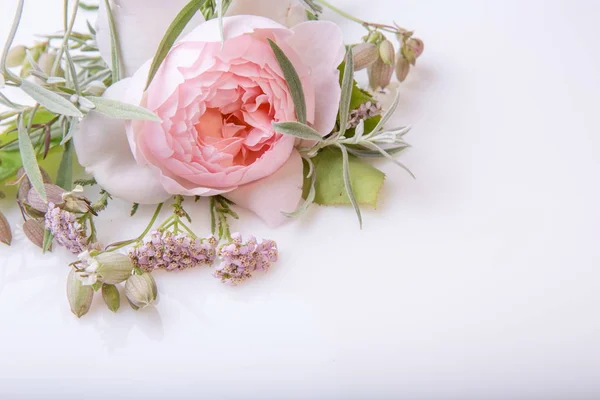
119	110
55	79
64	177
34	65
48	238
387	115
115	58
348	183
385	154
83	102
220	17
28	157
359	131
298	130
293	81
376	154
173	32
310	198
346	97
52	101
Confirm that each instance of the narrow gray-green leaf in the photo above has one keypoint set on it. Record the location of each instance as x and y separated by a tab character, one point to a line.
173	32
52	101
310	198
387	115
30	164
48	238
220	17
346	97
348	183
298	130
119	110
293	81
64	178
385	154
115	58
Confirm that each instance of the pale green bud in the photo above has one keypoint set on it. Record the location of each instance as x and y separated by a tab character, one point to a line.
16	56
140	290
364	54
380	74
79	296
96	88
111	297
46	62
113	268
387	52
402	67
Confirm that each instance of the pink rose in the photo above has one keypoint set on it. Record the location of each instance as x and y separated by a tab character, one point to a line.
216	106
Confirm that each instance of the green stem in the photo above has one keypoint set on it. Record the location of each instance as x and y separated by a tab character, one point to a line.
365	24
148	227
68	29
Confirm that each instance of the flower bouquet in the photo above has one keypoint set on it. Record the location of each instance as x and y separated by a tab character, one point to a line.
232	103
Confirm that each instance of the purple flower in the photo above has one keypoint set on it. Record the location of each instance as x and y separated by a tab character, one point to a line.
173	252
364	112
66	229
240	260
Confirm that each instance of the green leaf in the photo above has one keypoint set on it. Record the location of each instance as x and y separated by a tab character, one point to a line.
115	58
346	96
64	178
173	32
88	7
48	238
29	159
311	177
298	130
365	179
52	101
10	162
119	110
293	81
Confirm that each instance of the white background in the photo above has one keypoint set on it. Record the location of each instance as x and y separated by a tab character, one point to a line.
480	279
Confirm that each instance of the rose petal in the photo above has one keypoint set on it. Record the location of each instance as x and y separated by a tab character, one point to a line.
320	45
277	193
140	25
286	12
102	148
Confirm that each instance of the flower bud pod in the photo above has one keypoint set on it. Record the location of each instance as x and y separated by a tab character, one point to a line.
402	67
113	268
53	195
34	230
46	62
79	296
416	45
380	74
111	297
140	290
16	56
387	52
364	54
5	232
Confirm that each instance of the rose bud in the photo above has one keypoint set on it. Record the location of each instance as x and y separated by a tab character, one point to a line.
16	56
140	290
79	296
111	297
113	268
402	67
364	54
387	52
380	74
5	232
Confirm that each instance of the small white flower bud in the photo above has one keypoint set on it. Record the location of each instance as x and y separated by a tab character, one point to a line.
79	296
140	290
364	54
16	56
74	99
387	52
113	268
